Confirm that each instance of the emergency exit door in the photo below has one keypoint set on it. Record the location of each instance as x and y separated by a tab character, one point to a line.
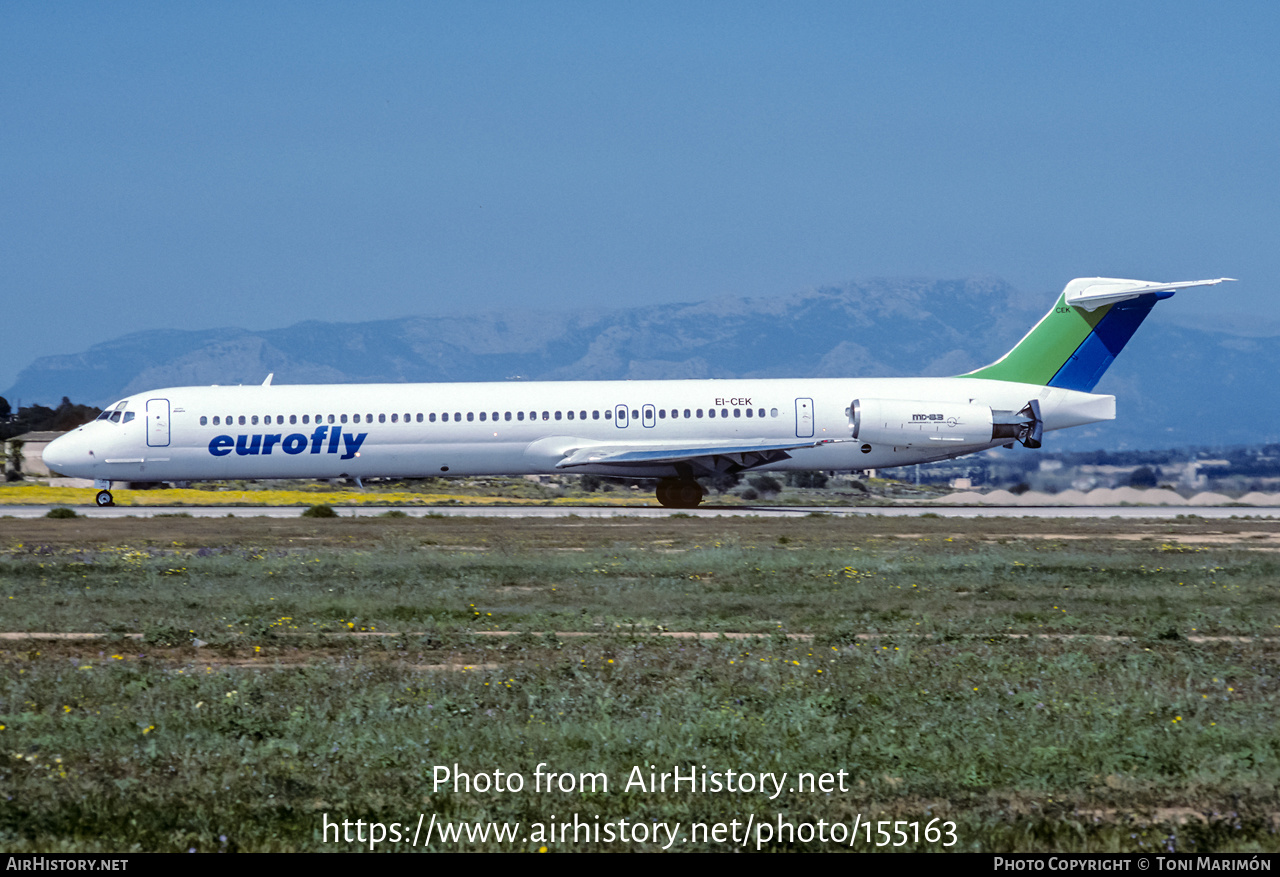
804	418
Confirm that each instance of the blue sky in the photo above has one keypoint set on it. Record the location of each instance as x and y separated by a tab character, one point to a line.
257	164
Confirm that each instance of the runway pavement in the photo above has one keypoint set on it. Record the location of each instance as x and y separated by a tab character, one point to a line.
38	511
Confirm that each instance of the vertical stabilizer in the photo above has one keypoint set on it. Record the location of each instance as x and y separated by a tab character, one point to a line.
1074	344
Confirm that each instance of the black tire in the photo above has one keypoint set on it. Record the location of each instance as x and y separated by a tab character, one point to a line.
104	499
689	495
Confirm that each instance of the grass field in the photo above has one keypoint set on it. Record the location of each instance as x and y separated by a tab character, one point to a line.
1064	685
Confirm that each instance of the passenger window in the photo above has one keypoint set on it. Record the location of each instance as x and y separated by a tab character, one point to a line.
470	416
737	412
420	418
635	415
582	415
686	412
699	412
662	414
570	415
557	415
749	412
483	416
242	420
204	421
608	415
342	418
495	417
431	418
773	412
395	418
306	418
293	419
331	418
507	416
595	415
519	415
546	415
457	415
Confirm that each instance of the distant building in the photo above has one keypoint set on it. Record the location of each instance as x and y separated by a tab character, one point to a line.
24	454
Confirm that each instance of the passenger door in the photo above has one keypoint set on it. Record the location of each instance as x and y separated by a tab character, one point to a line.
157	423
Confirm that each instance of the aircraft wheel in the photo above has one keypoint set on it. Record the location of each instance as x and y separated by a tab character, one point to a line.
690	494
664	494
104	499
675	494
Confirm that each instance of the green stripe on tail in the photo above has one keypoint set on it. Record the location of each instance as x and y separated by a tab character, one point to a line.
1042	351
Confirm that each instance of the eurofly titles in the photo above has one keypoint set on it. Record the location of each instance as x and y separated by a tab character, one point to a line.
323	440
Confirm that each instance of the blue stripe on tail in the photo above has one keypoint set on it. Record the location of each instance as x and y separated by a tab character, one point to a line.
1085	367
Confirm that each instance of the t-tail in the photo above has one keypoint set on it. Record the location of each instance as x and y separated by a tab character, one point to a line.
1074	343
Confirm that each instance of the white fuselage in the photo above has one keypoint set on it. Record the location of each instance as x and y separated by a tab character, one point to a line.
516	428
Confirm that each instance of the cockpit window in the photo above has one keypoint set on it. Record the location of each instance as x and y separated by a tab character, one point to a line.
128	415
112	413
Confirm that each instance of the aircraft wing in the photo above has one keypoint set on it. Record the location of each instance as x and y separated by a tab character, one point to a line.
709	457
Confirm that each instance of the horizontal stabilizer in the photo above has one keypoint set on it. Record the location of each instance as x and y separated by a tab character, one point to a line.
1092	293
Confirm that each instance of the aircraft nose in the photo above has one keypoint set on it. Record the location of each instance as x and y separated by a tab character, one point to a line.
64	453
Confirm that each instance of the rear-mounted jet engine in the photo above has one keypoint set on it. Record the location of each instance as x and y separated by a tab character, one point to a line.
915	424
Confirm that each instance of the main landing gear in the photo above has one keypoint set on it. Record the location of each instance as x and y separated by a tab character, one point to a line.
676	493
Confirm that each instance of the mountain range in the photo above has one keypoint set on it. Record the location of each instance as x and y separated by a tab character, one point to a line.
1175	384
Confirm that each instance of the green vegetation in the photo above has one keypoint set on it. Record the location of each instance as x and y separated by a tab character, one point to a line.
323	510
1107	686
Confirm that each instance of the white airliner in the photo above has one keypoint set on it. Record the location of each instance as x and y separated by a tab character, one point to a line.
672	431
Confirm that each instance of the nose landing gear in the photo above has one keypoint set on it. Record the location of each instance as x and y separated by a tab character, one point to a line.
104	499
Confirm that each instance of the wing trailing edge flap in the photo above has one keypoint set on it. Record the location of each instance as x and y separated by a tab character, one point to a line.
717	458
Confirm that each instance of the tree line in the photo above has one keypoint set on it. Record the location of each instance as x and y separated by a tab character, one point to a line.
40	418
